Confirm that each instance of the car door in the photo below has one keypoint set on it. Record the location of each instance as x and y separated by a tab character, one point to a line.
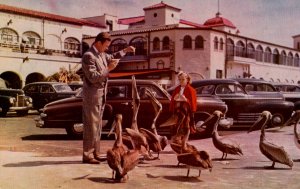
119	97
146	112
46	95
235	97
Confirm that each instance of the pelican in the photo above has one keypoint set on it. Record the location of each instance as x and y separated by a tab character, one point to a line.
197	160
296	116
271	151
119	158
225	145
156	142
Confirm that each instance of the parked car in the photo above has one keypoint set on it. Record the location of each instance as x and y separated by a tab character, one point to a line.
45	92
244	108
291	92
67	113
13	100
75	85
259	86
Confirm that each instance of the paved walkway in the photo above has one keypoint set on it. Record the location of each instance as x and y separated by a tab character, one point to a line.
31	170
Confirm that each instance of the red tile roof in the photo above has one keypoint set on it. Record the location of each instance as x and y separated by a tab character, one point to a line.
47	16
131	20
218	21
181	21
161	5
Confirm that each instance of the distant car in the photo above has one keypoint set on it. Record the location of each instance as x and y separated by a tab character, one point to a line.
44	92
244	108
67	113
259	86
13	100
291	92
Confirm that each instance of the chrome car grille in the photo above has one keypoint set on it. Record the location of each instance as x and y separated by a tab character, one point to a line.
20	101
244	118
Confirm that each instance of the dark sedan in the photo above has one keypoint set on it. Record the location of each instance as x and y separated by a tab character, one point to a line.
245	108
67	113
291	92
44	92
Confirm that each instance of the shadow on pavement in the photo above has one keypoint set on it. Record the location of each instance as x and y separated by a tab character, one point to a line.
184	178
49	137
40	163
103	180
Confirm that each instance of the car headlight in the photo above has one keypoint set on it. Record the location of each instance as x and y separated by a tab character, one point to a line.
12	100
29	99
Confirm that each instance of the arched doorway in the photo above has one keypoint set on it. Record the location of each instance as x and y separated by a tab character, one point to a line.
34	77
12	80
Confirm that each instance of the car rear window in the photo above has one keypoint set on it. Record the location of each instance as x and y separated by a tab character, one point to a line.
63	88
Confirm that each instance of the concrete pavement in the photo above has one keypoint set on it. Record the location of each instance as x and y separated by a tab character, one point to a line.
32	170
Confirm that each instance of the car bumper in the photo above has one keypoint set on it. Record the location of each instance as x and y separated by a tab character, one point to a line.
39	122
18	108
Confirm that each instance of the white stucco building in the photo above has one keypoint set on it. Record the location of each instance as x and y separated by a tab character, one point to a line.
165	44
34	44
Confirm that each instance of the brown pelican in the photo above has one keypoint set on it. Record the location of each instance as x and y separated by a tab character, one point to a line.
225	145
271	151
197	160
119	158
156	142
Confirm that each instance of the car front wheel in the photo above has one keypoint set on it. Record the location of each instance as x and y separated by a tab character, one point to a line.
75	130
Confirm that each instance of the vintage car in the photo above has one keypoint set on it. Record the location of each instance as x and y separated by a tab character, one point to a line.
244	108
13	100
45	92
67	113
291	92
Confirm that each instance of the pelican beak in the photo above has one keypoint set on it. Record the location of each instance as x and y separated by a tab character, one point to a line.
257	125
173	120
113	126
295	116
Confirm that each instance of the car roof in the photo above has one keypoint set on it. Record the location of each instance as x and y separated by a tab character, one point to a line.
250	80
46	82
215	81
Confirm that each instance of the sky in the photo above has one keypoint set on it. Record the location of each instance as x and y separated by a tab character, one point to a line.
274	21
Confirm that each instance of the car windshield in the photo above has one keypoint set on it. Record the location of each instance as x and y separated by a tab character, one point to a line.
62	88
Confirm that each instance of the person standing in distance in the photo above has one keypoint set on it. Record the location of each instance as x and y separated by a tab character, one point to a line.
96	64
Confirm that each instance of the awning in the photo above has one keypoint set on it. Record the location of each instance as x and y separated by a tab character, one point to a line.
123	74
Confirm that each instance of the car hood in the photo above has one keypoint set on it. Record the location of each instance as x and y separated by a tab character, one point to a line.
11	92
64	101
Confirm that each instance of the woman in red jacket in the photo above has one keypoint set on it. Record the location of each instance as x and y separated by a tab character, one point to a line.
185	90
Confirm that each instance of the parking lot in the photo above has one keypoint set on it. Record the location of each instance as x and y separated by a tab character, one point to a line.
47	158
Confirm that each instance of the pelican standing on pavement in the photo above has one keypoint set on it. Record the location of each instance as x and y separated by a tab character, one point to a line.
224	144
119	158
276	154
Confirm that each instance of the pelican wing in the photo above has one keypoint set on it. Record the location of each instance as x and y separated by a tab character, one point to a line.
151	137
130	161
114	160
275	153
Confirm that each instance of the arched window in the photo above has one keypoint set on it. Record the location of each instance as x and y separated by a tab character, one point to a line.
290	59
230	47
187	42
140	44
9	35
240	49
117	45
259	53
32	38
283	58
166	43
296	60
221	44
156	44
71	43
275	58
250	50
216	43
199	42
267	54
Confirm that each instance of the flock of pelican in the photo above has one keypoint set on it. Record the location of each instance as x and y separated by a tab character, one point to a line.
138	143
